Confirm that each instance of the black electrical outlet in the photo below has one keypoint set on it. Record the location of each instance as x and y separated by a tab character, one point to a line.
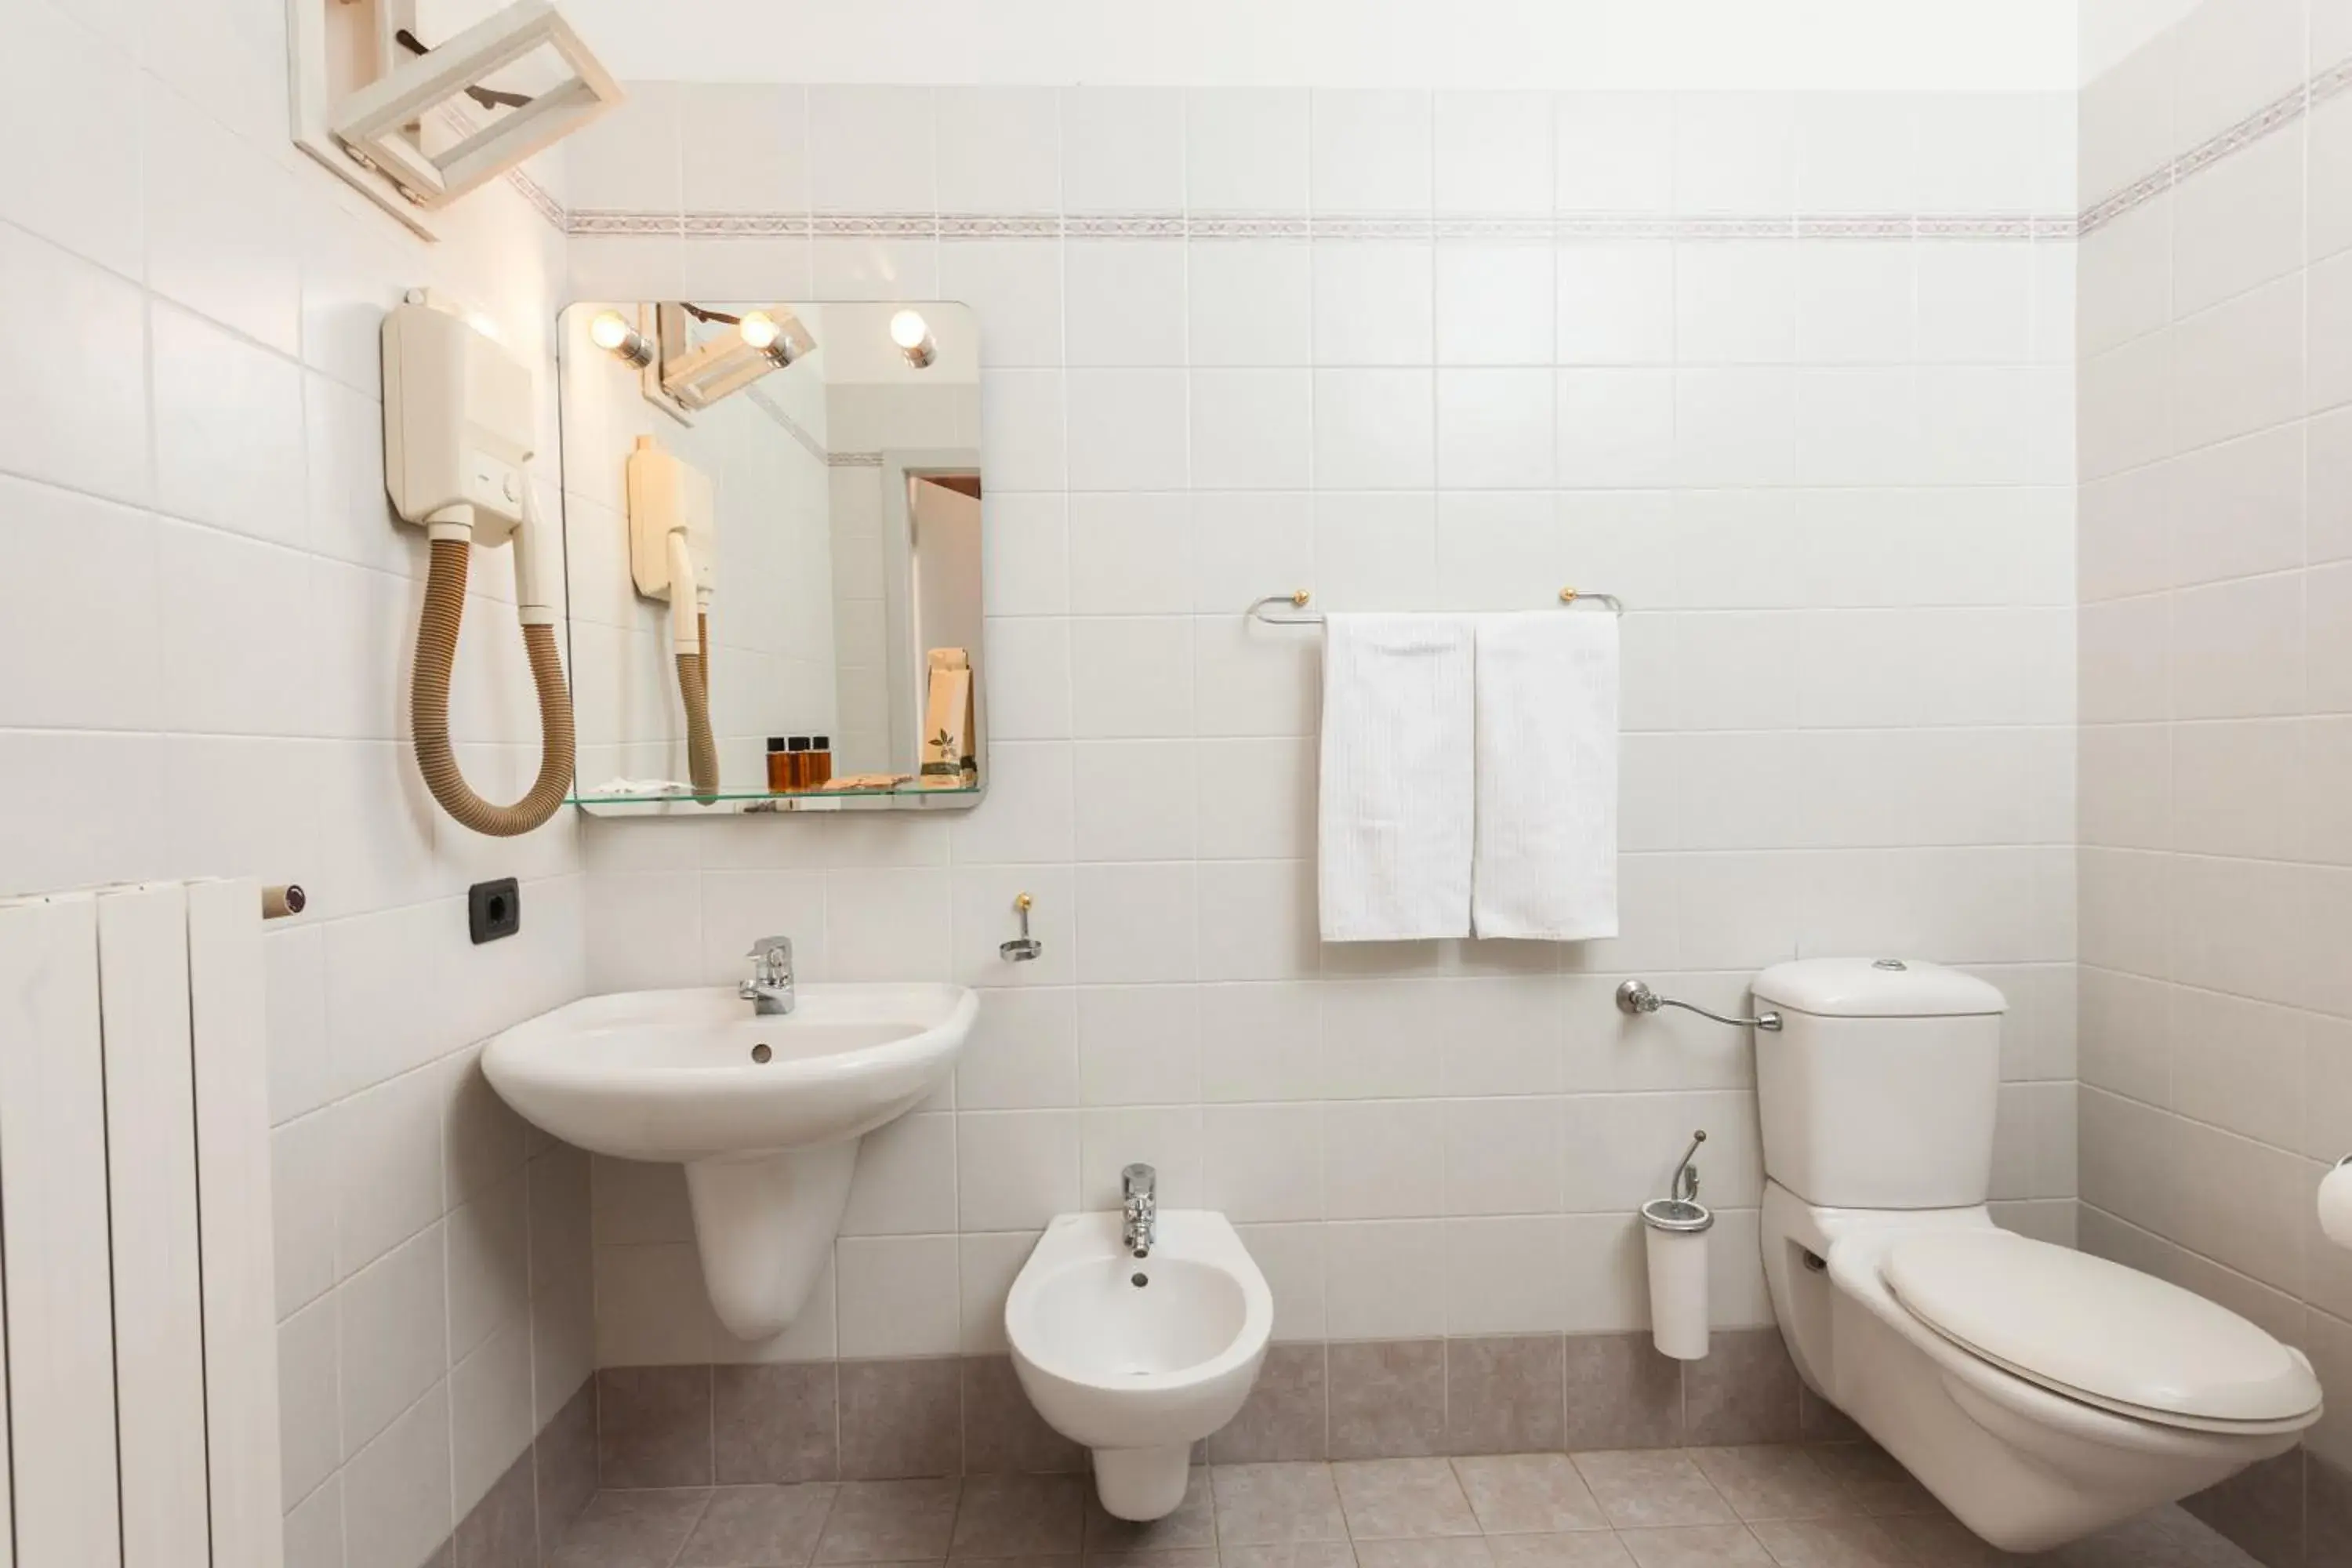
494	909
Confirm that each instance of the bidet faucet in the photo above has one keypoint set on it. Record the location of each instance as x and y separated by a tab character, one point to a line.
770	989
1139	1188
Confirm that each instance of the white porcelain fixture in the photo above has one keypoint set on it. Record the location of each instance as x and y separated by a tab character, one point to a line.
1138	1358
2041	1393
764	1112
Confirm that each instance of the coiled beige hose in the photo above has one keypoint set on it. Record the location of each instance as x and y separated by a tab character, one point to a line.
694	691
428	697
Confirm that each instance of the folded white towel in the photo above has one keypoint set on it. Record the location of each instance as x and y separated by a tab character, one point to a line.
1546	768
1395	828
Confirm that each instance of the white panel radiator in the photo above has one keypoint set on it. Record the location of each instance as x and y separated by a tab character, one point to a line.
140	1373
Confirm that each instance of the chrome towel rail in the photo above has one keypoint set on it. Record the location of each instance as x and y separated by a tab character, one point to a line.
1297	597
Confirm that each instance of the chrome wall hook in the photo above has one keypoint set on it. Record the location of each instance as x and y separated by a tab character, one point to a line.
1685	1185
1025	947
1636	998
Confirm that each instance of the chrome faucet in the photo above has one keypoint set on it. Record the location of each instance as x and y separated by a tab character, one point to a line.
770	989
1139	1188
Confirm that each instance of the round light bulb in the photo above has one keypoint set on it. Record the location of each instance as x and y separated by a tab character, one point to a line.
909	330
758	329
610	329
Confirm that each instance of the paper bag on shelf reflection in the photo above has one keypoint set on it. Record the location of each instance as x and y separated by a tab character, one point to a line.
948	723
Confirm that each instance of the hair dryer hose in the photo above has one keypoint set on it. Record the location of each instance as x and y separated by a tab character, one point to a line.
436	658
701	751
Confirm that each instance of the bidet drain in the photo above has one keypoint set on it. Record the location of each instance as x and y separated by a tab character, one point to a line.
761	1054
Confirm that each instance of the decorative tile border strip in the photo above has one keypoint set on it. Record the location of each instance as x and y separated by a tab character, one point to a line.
2276	115
955	226
2273	116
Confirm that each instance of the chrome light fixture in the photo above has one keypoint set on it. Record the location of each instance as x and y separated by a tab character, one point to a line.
913	336
611	331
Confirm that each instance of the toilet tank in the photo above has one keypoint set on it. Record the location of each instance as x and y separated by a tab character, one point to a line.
1878	1091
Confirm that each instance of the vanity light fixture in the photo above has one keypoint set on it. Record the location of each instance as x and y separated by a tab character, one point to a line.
913	336
611	331
699	374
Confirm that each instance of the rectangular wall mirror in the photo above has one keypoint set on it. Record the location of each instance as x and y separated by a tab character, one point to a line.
772	544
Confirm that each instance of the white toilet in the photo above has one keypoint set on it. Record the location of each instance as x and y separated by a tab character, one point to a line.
1138	1358
2041	1393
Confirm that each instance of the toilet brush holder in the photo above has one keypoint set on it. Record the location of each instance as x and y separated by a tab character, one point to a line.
1674	1230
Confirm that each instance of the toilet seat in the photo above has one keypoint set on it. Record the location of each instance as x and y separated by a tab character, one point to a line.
2097	1331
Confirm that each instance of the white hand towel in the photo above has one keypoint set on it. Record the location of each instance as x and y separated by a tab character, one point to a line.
1547	763
1395	820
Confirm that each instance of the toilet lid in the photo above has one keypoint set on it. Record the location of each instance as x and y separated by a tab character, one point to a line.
2085	1326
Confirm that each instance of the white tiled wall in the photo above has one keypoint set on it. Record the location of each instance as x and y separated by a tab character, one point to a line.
2217	468
205	622
1411	350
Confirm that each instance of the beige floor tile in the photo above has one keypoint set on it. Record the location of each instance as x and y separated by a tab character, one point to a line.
2168	1537
1530	1494
1696	1546
889	1521
1156	1557
758	1527
1774	1482
1290	1554
1878	1484
1935	1542
1195	1522
1573	1548
631	1528
1020	1516
1829	1543
1644	1488
1425	1551
1272	1505
1395	1500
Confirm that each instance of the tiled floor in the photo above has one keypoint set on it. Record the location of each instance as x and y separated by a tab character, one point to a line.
1825	1506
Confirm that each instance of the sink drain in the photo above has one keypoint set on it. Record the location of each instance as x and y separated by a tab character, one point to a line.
1139	1281
761	1053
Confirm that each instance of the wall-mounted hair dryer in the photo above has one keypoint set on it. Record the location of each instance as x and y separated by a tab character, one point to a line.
458	437
673	542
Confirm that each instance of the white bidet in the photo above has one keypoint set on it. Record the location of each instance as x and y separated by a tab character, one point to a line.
1138	1358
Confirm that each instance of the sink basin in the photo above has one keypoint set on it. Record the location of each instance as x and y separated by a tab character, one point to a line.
764	1112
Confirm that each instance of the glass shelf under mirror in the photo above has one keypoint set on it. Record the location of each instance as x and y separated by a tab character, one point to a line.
748	802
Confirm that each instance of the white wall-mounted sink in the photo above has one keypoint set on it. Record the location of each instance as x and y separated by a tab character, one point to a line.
764	1112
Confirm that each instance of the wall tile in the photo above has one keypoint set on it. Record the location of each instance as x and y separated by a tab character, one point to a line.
774	1425
1246	150
1285	1416
396	1497
900	1418
1388	1398
999	152
1504	1396
653	1427
1494	153
1122	150
1372	151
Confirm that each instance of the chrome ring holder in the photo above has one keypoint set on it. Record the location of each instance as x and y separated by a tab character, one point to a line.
1025	947
1636	998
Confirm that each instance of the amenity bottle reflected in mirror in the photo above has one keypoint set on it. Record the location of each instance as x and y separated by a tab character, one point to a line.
772	524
